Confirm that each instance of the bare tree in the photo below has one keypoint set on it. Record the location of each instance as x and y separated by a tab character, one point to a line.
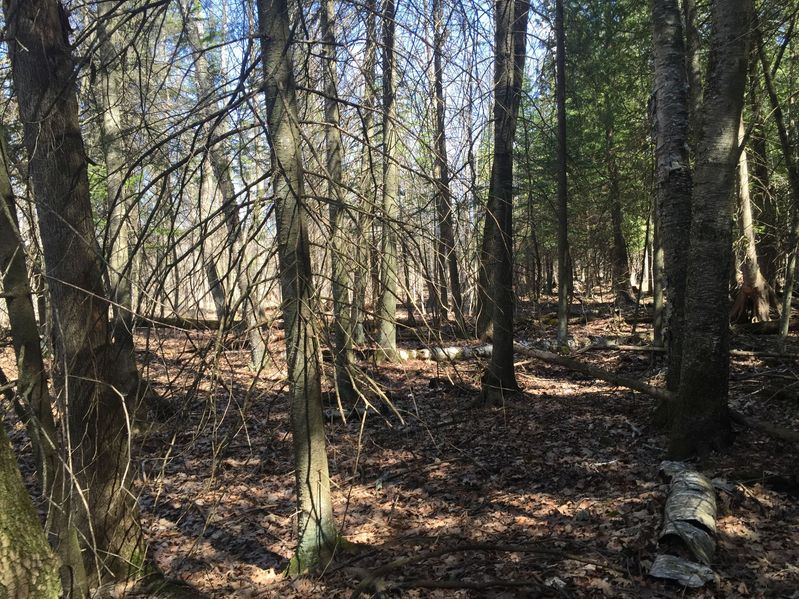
317	532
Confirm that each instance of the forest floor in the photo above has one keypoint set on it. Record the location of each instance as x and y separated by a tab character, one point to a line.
555	493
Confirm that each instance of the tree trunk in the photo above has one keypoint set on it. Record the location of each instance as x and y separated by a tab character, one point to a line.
793	180
340	249
368	182
33	395
511	44
620	267
242	262
701	421
28	567
673	171
754	294
387	309
316	527
564	272
693	69
121	204
657	280
43	70
441	168
768	249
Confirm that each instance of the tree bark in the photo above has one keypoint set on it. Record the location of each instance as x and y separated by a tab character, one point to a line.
793	181
387	308
693	69
242	263
754	294
564	262
33	395
316	527
701	421
510	47
368	181
28	568
441	168
88	381
673	170
340	249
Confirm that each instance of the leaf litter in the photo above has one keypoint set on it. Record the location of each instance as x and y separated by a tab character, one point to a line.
554	493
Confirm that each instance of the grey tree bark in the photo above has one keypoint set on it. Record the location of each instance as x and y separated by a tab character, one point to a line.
316	527
368	180
387	308
674	183
441	168
701	418
88	382
340	248
754	294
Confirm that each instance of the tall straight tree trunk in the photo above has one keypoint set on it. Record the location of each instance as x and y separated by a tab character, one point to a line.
33	395
28	567
121	204
316	527
564	262
768	250
620	267
368	180
793	181
674	182
754	291
510	18
387	308
340	248
657	279
43	71
242	263
693	69
441	168
702	418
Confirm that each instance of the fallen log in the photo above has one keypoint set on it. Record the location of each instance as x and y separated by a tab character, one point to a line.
768	327
593	371
191	324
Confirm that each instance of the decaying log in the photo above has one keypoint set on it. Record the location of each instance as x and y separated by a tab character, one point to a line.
593	371
689	527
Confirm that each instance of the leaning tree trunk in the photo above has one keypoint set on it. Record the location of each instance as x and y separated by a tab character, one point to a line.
316	527
564	270
340	248
87	380
701	418
510	37
28	567
673	171
387	308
